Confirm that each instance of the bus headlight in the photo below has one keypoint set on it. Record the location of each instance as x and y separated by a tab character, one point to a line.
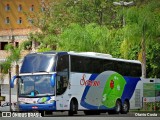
48	102
51	101
21	102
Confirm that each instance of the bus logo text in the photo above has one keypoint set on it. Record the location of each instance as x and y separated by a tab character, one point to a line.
85	82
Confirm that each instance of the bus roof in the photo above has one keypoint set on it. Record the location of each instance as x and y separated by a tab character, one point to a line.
102	56
93	55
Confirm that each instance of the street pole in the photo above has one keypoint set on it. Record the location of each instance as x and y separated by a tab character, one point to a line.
9	72
143	44
17	73
123	4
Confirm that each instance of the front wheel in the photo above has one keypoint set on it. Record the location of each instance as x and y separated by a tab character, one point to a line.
42	113
73	108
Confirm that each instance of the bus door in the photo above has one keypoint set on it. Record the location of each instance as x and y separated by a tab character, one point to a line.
59	95
61	87
62	81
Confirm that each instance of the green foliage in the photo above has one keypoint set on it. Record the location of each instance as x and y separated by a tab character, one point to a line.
91	37
153	58
44	49
13	57
50	22
27	45
5	66
142	23
96	25
84	10
14	53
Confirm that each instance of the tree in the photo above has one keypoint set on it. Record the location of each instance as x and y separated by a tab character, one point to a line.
91	37
152	60
84	12
15	54
141	28
59	15
95	25
50	23
6	66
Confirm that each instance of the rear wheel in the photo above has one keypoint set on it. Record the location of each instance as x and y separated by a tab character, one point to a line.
73	108
117	108
87	112
125	107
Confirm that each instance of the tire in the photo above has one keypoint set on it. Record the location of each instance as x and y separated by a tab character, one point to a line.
117	108
48	112
73	108
42	113
125	107
87	112
91	112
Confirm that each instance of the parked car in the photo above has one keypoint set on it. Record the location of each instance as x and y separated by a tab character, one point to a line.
6	107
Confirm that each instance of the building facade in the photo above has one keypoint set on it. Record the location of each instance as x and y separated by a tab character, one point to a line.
15	26
13	13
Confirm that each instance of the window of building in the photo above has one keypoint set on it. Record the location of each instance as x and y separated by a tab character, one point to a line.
7	21
16	44
20	7
30	21
7	8
19	20
2	45
32	8
42	9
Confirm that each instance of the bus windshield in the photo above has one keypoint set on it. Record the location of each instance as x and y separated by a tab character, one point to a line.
38	63
35	85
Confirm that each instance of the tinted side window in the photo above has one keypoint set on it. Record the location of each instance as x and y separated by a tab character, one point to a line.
119	67
63	63
136	70
85	64
96	65
129	69
124	68
77	64
108	65
62	74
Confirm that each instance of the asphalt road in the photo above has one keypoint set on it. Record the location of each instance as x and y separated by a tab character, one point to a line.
82	116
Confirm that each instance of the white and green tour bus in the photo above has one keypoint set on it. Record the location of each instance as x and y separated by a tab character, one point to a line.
76	81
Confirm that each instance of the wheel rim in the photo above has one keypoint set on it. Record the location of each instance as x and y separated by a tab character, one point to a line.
125	107
74	107
118	107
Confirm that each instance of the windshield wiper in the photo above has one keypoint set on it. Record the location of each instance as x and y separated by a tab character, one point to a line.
31	93
42	71
45	94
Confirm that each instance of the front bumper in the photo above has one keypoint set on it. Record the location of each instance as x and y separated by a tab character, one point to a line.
38	107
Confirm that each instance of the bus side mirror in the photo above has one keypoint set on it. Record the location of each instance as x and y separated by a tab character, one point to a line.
12	81
53	79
